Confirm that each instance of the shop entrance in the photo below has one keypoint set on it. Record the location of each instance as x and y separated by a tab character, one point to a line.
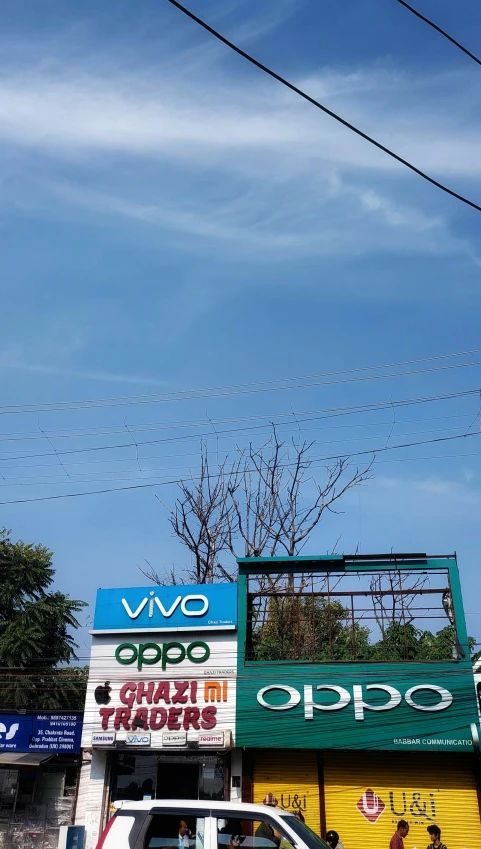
142	775
177	781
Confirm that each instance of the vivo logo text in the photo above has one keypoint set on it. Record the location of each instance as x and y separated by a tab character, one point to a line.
190	605
286	698
138	739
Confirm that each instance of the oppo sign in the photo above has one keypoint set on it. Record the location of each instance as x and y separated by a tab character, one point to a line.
343	698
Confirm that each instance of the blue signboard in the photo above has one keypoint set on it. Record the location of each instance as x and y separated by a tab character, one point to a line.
54	733
184	608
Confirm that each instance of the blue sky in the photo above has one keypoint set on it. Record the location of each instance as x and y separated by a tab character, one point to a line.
171	218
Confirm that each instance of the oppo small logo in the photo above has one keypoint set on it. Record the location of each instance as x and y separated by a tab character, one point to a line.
370	806
190	605
10	734
168	653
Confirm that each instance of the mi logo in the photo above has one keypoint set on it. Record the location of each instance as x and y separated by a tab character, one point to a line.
154	602
9	735
212	691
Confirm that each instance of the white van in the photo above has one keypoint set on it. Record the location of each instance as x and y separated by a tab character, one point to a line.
177	824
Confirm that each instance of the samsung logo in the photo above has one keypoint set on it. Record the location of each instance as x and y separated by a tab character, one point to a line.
190	605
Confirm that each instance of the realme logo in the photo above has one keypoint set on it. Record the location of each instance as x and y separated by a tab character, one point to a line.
154	601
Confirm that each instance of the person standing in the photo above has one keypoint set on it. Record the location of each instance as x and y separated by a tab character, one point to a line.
397	840
265	830
435	834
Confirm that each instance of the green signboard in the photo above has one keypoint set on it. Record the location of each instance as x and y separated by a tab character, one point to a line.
397	706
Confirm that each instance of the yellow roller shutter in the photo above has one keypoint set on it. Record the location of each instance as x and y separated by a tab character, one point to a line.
367	794
293	778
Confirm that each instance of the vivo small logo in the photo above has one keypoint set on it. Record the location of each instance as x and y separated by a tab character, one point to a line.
138	739
154	601
10	734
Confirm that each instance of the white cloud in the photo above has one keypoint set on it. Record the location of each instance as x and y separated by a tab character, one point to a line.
163	111
13	358
240	160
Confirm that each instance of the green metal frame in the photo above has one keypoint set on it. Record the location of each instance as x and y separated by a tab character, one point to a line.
349	564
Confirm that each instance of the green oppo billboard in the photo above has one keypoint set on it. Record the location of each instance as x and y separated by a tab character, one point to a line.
394	623
416	708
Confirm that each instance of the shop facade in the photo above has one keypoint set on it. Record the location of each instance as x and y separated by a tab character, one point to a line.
39	769
159	718
355	698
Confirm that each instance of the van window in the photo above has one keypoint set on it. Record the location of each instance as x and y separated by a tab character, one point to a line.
250	833
309	837
173	831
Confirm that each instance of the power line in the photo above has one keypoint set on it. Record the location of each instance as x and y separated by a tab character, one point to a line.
289	425
135	400
208	389
373	451
319	105
309	415
28	480
441	31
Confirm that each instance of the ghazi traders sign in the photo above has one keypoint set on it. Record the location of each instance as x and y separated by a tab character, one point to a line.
161	687
174	705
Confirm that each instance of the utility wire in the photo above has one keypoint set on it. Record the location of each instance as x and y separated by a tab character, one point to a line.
441	31
319	105
219	392
28	480
347	456
308	415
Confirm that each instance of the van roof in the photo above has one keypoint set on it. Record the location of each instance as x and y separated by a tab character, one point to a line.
208	805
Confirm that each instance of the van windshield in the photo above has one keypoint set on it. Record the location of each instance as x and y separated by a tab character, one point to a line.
310	838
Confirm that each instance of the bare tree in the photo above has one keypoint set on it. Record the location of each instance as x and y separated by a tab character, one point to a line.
393	596
296	511
202	519
267	501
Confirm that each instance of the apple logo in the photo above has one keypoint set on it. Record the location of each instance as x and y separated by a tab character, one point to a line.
102	693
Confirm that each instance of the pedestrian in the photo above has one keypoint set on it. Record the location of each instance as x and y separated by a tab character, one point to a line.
264	830
332	838
397	840
298	813
435	834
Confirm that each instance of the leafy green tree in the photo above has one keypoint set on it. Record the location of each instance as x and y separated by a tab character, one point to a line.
406	642
35	632
308	628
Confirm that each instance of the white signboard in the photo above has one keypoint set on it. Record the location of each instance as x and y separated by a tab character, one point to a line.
212	739
138	738
177	738
103	738
159	684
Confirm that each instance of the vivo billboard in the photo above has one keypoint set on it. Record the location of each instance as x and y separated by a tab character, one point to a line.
190	608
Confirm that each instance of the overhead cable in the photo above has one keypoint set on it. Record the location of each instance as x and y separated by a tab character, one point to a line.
441	31
308	415
329	458
319	105
219	392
